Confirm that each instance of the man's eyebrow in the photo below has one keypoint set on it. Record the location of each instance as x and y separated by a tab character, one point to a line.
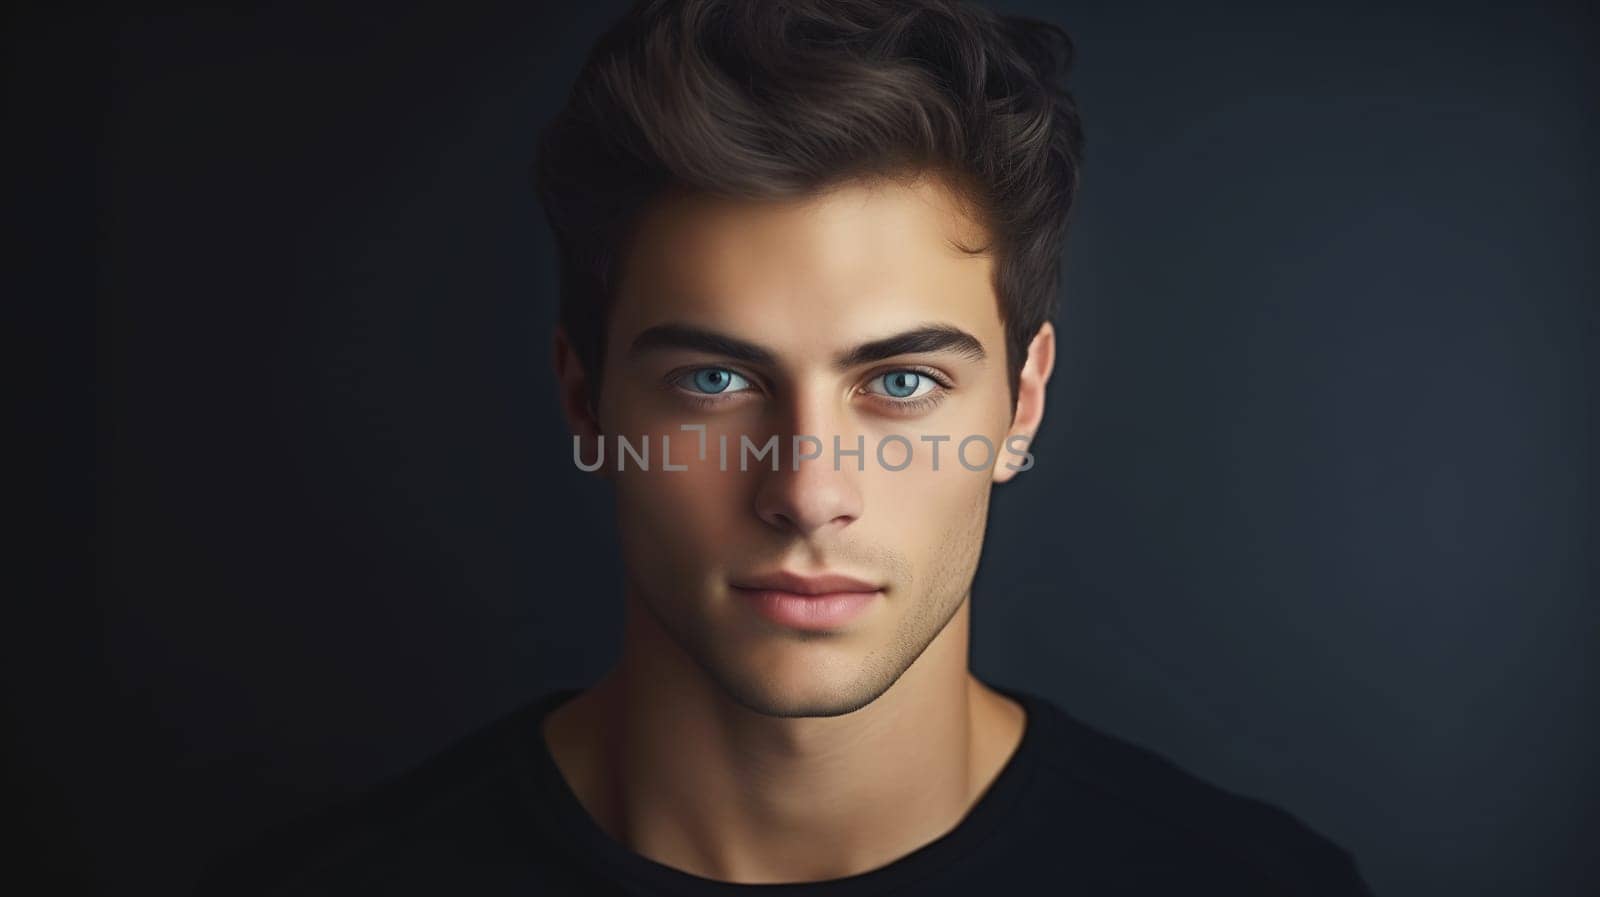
919	340
684	336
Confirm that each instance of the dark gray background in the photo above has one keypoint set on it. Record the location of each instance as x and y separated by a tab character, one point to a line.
1313	499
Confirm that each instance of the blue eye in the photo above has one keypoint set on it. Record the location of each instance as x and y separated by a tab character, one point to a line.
712	381
905	384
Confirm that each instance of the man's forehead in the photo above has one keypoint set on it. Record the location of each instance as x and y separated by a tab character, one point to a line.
855	214
826	271
931	337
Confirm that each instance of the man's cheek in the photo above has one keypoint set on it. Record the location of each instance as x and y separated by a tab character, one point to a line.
680	512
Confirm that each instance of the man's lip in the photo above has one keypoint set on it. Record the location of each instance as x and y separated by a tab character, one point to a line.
812	613
797	584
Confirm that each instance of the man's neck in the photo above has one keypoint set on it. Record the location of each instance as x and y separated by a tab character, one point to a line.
667	764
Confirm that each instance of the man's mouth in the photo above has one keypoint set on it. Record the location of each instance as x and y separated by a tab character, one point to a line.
815	603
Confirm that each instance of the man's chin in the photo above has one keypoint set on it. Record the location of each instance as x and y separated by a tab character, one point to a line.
781	672
797	689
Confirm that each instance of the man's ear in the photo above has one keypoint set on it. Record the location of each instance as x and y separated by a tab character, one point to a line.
1030	404
577	401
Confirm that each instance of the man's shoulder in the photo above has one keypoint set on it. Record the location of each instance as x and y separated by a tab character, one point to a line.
454	810
1177	817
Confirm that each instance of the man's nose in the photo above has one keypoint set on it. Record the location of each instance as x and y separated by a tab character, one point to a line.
816	496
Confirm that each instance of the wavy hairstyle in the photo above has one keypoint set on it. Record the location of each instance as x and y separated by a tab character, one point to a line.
780	98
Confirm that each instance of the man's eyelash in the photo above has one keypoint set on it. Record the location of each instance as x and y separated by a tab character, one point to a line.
703	400
920	403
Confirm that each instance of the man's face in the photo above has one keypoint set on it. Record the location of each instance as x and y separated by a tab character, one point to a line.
805	281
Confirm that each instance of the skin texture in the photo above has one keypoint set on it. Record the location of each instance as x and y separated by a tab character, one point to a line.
723	744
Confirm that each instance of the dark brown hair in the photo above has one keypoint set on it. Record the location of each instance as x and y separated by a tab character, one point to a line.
779	98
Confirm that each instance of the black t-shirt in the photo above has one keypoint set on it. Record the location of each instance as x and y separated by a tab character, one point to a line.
1075	811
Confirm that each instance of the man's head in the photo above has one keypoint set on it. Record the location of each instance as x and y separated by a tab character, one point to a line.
839	219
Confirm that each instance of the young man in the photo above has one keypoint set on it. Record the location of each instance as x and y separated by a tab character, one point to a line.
809	255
